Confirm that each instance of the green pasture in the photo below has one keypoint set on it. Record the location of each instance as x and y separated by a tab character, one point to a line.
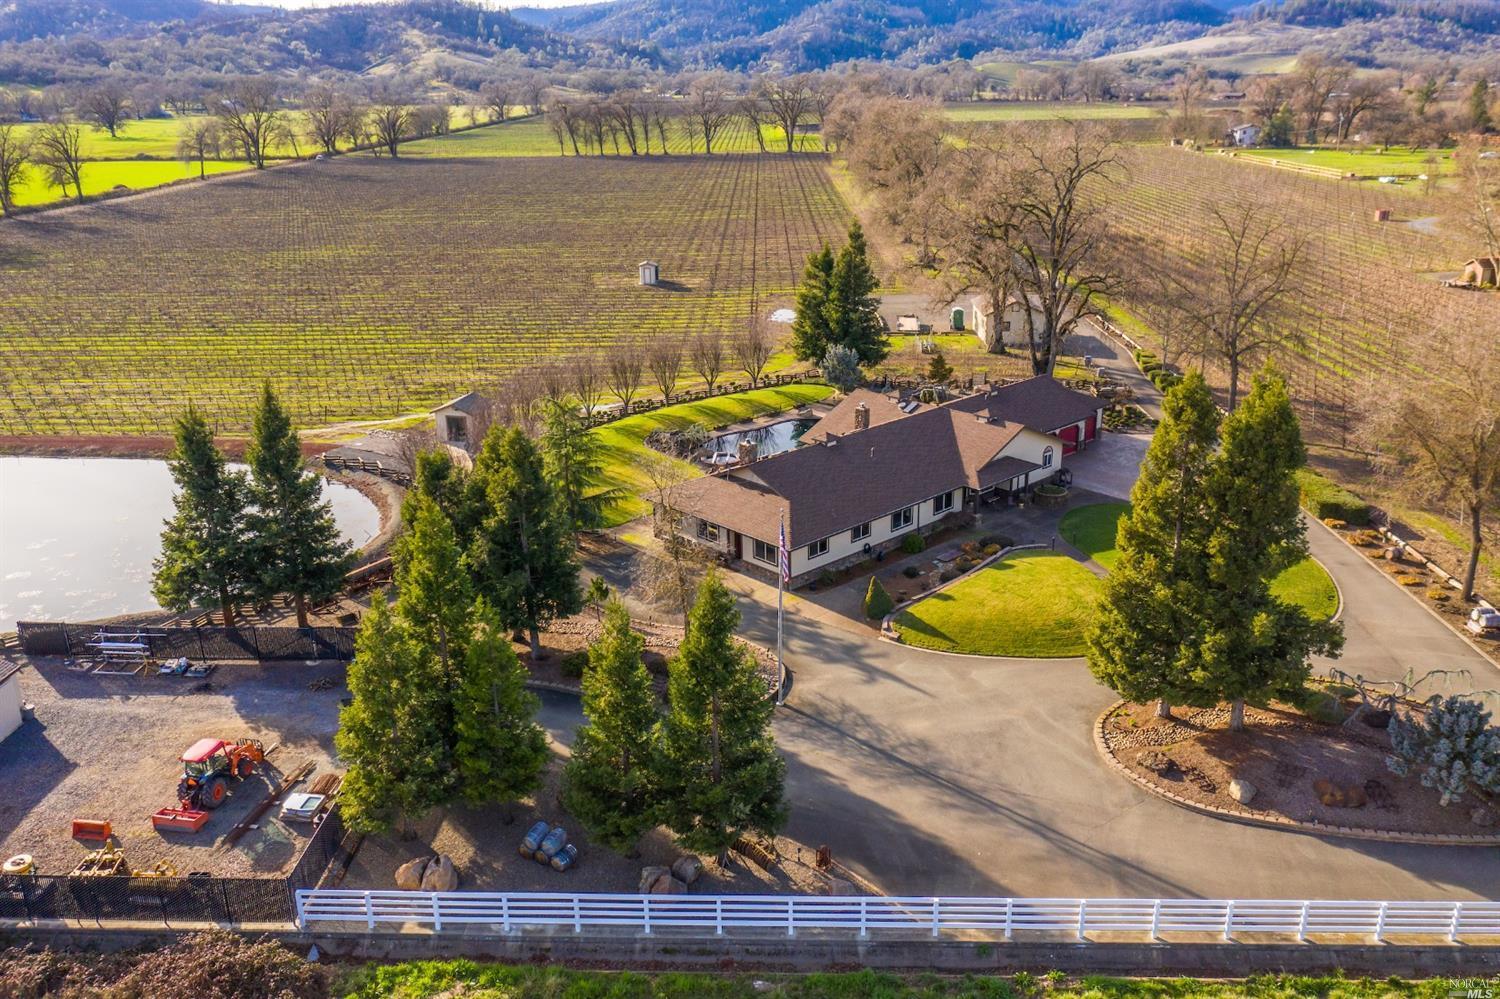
624	440
102	176
1047	111
533	137
1030	604
1369	162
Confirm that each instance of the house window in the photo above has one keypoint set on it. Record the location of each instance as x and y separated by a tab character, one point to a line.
1047	457
818	548
901	519
458	428
707	531
943	503
861	532
763	552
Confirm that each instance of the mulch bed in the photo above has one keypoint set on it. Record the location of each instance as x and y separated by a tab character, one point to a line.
1295	762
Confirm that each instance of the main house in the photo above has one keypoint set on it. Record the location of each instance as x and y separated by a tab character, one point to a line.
876	469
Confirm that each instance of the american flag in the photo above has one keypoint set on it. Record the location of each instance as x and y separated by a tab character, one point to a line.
784	557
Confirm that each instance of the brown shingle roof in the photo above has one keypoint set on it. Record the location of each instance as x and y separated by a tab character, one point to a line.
840	419
1041	403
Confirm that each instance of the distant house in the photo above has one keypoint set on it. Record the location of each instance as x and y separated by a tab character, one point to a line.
874	470
1245	135
1012	326
650	273
1480	272
10	698
458	421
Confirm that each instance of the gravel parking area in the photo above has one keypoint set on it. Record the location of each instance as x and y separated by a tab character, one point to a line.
108	748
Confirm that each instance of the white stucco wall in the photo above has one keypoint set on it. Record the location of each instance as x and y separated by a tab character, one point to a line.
1013	335
842	544
10	706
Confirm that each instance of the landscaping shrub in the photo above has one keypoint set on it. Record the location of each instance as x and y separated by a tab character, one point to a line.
913	543
1335	523
991	550
949	574
1439	595
1453	748
996	541
827	577
1151	366
878	602
1327	499
572	664
911	572
1164	379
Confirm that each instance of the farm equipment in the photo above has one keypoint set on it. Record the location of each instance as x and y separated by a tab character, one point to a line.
107	862
207	768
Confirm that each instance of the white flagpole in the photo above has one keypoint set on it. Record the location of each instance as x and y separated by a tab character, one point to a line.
781	567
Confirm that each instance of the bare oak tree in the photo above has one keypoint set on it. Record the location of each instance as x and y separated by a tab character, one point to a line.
15	158
753	347
391	120
585	382
250	112
708	358
711	106
58	150
327	110
198	143
623	371
671	577
106	107
790	101
665	361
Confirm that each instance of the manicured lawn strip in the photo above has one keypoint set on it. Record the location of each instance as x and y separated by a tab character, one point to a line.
624	439
1091	529
1032	604
429	979
1365	162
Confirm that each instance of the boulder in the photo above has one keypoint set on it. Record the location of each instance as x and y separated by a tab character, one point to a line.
1242	790
1482	816
409	874
687	869
668	885
649	877
440	876
839	888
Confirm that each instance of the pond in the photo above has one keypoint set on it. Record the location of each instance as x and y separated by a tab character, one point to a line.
774	439
78	535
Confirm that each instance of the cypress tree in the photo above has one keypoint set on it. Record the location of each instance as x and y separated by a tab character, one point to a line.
523	553
1256	646
1145	635
574	458
295	537
499	749
717	765
204	547
391	735
852	308
607	785
810	334
434	595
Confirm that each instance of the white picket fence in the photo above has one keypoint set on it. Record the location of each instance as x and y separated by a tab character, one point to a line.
395	911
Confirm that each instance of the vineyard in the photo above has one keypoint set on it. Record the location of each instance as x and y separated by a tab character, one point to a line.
533	137
367	288
1368	291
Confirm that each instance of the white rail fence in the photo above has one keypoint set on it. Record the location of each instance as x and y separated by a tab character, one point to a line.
395	911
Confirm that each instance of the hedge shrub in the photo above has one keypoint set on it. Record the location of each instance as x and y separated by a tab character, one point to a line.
878	602
1327	499
913	543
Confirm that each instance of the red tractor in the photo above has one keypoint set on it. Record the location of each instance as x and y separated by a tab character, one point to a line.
209	764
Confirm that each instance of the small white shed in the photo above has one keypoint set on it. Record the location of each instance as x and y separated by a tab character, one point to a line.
650	273
10	699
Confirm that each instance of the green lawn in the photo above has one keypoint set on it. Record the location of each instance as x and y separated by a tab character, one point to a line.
1091	529
1365	162
104	175
624	439
1032	604
1045	111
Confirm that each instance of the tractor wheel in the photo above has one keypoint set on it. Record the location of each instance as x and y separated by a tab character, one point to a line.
213	792
244	767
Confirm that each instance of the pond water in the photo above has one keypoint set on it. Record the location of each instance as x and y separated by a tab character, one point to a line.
774	439
78	535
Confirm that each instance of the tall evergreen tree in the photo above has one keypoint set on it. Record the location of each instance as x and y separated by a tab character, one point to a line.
574	458
296	540
1256	646
1480	119
1144	637
499	749
607	784
810	333
391	735
204	548
435	597
522	555
852	309
717	765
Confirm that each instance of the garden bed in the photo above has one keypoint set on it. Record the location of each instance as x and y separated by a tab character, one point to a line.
1305	772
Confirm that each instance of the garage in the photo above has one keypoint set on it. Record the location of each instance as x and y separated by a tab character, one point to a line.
10	699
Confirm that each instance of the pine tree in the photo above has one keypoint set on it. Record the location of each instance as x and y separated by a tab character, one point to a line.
391	735
810	335
434	595
574	458
939	371
499	749
1256	646
523	554
607	785
204	548
717	765
293	531
1480	119
1144	636
852	309
841	369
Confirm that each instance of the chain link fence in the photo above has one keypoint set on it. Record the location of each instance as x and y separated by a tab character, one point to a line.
51	638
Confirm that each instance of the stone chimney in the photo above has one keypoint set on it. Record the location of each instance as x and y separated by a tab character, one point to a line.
747	452
861	417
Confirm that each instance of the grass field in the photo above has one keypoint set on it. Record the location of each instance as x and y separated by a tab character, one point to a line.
1047	110
105	175
1364	162
369	288
1091	529
623	439
1034	605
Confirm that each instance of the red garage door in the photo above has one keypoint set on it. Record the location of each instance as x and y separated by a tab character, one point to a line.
1069	437
1091	428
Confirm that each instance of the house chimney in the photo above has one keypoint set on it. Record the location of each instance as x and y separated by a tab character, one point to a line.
861	417
747	452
